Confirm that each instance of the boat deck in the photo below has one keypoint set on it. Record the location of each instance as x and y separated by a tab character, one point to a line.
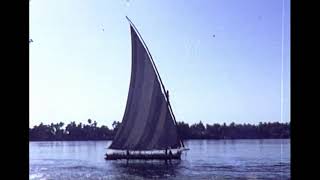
143	156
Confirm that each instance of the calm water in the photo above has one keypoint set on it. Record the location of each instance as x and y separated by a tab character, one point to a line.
206	159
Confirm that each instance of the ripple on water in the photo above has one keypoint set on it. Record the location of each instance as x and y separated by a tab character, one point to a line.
75	163
38	176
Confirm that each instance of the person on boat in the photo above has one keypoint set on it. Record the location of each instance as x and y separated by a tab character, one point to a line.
127	152
170	152
166	151
167	95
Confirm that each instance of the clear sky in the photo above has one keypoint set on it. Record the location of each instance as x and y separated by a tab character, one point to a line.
220	59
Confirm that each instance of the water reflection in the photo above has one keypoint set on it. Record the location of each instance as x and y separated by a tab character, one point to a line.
147	169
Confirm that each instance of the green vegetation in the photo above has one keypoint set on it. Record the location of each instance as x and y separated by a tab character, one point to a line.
269	130
90	131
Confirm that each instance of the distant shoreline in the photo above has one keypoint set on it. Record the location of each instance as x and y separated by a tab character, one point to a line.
92	132
183	139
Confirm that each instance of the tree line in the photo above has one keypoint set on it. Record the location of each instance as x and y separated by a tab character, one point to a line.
91	131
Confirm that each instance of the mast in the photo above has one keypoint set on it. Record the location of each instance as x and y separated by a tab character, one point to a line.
158	76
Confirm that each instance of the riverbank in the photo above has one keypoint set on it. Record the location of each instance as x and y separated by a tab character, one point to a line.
91	131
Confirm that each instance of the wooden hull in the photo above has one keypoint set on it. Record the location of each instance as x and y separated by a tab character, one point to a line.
143	156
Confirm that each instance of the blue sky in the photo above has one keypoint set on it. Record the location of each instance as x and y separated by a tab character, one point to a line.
78	71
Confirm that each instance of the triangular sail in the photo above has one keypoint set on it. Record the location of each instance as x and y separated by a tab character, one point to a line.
147	123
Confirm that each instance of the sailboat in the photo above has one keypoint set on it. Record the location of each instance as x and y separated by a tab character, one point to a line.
149	128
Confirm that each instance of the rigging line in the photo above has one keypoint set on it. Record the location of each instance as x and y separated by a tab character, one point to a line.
152	62
149	54
157	73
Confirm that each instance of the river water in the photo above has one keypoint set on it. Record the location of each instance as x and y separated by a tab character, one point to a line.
206	159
